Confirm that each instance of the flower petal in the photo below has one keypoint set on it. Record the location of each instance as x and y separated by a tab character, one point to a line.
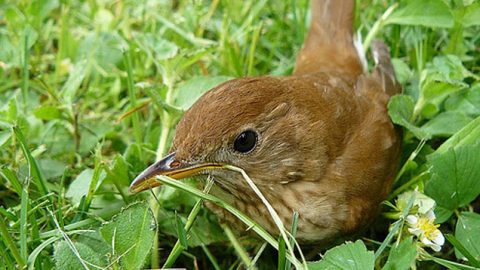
412	219
415	231
440	239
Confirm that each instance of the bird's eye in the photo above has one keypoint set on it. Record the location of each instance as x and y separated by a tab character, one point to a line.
245	141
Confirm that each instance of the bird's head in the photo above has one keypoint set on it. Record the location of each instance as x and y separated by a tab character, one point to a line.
251	123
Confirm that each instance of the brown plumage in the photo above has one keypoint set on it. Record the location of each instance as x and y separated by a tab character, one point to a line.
323	143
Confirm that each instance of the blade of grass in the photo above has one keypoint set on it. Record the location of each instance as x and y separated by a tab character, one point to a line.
95	178
178	248
396	227
259	253
26	73
253	46
471	259
276	218
34	254
131	94
281	254
7	260
24	223
242	254
242	217
288	266
34	170
12	179
211	257
7	239
378	26
181	233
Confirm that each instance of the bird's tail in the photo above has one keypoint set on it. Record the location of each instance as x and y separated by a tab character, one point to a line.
329	44
384	71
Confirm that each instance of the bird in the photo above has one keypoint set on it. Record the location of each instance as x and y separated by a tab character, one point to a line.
318	142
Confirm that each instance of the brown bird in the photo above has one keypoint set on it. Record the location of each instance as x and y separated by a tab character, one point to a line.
319	142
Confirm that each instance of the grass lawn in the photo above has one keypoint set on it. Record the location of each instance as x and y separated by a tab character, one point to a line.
91	91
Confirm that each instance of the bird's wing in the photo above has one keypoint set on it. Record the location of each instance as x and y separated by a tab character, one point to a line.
329	45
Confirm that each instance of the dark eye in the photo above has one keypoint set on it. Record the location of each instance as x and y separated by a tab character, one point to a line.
245	141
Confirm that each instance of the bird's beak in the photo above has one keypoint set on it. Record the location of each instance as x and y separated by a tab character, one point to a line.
168	166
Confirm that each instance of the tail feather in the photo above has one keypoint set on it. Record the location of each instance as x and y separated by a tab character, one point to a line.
329	44
384	71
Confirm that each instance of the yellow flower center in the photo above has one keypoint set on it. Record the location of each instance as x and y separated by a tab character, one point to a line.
429	229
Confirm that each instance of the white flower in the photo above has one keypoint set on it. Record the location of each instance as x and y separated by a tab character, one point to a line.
423	227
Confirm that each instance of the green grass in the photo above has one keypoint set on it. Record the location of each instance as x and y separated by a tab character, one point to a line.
91	91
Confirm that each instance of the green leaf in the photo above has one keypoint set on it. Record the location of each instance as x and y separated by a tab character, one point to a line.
192	89
131	234
67	257
51	168
119	172
204	231
47	112
446	124
79	187
400	109
469	135
443	77
472	15
467	101
455	175
430	13
104	48
5	135
467	232
346	256
401	256
403	73
161	49
75	79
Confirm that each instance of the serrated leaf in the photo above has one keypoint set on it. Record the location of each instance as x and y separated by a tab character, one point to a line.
66	258
131	234
194	88
466	231
400	109
455	175
431	13
401	256
346	256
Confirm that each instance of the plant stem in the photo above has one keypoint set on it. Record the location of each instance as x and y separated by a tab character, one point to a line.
161	151
377	27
